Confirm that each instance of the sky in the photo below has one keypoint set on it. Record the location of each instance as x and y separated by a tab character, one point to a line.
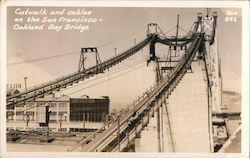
118	28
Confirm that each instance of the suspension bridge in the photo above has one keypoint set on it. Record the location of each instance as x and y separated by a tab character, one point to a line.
116	135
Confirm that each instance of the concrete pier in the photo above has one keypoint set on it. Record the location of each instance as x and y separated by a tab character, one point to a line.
188	116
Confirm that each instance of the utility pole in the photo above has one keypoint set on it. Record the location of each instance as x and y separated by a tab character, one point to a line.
88	117
115	52
60	120
135	41
83	122
158	129
118	132
161	124
25	83
158	78
27	119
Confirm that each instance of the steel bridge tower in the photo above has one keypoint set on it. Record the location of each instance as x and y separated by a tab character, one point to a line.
214	76
213	62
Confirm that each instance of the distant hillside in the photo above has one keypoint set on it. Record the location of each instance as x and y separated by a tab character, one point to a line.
232	101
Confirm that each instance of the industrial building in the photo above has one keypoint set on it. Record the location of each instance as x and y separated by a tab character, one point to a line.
66	114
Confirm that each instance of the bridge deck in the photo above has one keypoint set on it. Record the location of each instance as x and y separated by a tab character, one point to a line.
188	112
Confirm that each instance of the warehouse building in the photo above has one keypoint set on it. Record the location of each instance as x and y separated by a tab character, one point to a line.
66	114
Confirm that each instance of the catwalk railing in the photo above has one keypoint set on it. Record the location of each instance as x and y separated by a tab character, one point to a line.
41	90
59	83
136	117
